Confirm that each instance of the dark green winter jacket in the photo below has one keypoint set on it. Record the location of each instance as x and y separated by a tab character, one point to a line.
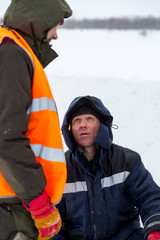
32	19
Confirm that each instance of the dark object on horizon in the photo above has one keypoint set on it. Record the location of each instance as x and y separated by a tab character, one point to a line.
123	23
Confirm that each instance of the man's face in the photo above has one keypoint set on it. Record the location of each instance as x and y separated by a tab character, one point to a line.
52	34
84	129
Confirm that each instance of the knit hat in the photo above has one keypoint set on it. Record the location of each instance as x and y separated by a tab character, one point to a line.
84	109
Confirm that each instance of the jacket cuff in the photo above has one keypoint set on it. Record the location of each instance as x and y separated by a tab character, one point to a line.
41	206
152	224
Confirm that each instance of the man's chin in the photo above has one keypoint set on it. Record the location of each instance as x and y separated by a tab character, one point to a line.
86	144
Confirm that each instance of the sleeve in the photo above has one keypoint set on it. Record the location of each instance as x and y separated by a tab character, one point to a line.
17	161
144	193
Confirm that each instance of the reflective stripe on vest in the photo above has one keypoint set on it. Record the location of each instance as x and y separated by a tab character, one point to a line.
42	104
43	128
50	154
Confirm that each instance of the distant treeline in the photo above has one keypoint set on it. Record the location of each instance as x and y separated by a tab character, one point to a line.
114	23
123	23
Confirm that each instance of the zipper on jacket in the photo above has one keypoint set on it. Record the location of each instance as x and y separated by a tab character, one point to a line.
90	188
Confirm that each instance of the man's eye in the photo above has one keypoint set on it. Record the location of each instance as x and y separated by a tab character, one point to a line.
89	118
76	121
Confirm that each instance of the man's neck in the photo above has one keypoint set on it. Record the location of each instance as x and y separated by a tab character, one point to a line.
89	152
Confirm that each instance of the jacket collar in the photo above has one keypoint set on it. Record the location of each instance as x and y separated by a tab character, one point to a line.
42	50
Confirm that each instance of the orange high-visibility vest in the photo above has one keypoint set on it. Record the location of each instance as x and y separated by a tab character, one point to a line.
43	129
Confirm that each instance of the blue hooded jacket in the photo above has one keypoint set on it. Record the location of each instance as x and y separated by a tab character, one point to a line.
104	201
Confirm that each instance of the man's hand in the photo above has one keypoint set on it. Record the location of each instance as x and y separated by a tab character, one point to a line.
46	216
154	235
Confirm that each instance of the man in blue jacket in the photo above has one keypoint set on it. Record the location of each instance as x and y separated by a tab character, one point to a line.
108	188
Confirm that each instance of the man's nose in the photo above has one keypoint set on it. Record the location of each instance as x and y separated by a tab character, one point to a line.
83	124
55	35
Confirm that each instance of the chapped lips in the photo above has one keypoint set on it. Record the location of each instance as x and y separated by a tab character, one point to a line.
83	134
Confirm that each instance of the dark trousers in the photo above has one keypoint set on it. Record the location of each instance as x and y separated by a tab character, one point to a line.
15	218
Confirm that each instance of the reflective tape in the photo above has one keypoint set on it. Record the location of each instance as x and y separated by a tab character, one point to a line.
43	103
1	197
153	220
114	179
81	186
50	154
152	224
75	187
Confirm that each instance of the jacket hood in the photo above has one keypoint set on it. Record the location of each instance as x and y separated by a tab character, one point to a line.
104	136
33	18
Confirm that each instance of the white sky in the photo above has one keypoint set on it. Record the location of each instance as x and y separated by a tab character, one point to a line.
106	8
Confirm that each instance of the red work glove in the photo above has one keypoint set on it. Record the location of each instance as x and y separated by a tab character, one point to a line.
154	235
46	216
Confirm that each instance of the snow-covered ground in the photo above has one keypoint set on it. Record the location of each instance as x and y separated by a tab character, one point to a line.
122	68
